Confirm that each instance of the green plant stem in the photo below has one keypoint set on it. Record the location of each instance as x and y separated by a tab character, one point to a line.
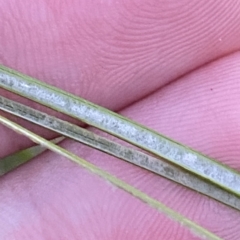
121	127
15	160
133	156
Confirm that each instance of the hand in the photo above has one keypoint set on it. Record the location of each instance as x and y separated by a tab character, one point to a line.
170	65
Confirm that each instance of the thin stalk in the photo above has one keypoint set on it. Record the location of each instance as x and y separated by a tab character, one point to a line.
121	127
136	157
195	228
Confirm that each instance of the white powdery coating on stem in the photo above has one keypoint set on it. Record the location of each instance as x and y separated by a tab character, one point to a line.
89	113
138	158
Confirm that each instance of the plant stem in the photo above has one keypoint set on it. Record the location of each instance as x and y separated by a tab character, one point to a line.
136	157
15	160
198	230
121	127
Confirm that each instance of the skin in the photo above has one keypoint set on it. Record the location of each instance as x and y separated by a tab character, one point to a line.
171	66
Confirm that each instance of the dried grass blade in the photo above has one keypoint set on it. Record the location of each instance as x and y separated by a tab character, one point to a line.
195	228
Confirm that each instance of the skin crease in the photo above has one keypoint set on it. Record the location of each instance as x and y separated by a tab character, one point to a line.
171	66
